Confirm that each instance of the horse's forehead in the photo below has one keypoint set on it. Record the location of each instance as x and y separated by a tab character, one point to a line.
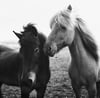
61	18
30	38
27	34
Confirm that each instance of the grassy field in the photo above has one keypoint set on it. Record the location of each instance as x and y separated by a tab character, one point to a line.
59	85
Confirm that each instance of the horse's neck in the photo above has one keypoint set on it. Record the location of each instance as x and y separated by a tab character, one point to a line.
77	49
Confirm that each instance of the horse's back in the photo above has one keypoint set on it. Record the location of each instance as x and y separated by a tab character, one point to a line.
10	66
4	48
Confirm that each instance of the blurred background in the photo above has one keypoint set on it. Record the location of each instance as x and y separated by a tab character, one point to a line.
14	14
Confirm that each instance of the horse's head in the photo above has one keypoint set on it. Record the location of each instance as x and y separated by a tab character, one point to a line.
62	32
29	50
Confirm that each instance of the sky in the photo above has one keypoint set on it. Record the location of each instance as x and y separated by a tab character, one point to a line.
14	14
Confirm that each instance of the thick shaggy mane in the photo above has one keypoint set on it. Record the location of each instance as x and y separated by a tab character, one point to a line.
87	40
30	28
42	39
63	18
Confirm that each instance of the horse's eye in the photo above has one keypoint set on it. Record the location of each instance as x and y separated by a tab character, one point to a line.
63	27
36	50
35	35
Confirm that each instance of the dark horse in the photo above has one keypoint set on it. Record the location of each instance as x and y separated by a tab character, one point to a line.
70	31
28	68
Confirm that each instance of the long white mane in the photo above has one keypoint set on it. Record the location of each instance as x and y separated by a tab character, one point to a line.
65	18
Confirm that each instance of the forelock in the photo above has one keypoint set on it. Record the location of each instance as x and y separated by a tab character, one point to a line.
53	20
64	18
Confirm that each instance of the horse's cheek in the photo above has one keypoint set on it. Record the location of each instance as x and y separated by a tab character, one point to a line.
69	37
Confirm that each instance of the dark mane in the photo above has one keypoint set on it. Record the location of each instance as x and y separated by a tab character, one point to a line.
42	39
87	40
30	28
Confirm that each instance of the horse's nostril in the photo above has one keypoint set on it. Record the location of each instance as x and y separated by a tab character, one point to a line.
49	48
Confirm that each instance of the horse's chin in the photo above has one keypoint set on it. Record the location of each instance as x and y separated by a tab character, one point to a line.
51	54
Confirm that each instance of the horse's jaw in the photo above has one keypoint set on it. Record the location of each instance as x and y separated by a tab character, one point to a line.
51	54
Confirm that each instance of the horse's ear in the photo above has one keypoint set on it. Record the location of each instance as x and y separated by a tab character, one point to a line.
18	35
69	8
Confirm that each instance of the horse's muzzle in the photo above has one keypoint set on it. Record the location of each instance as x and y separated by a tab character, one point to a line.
27	85
50	49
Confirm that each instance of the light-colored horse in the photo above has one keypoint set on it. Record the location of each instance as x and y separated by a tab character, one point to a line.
70	31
